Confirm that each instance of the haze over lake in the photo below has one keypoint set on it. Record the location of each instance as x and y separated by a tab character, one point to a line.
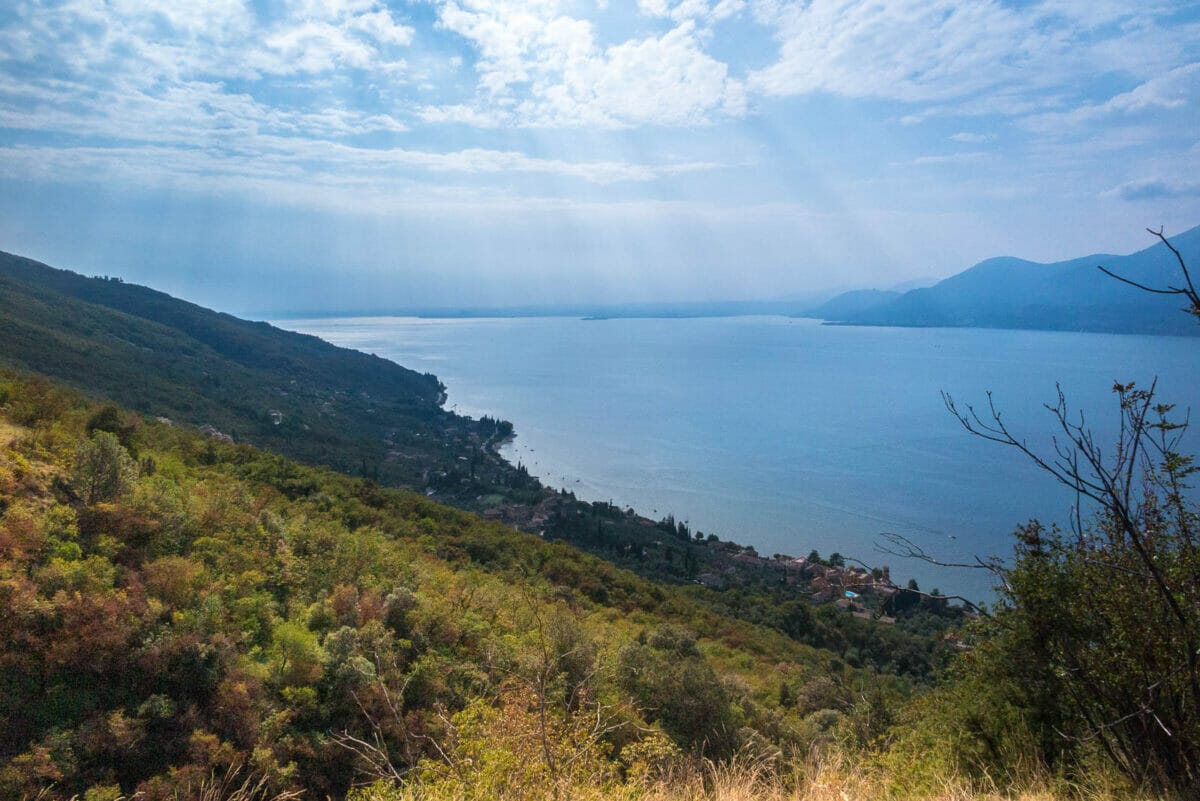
783	433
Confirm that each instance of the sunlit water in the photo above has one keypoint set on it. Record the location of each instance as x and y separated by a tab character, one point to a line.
782	433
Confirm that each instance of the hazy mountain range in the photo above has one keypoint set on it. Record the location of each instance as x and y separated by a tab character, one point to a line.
1007	292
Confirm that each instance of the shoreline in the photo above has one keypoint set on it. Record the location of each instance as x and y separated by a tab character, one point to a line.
864	579
820	471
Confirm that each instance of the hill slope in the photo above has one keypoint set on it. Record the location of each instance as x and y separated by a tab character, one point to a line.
210	609
293	393
1066	296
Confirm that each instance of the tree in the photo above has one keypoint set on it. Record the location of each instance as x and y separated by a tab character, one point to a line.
677	689
1098	628
111	419
103	470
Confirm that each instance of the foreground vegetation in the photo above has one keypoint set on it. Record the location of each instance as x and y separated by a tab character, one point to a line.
189	618
178	607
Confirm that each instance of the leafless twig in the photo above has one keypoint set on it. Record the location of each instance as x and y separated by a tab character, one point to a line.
1188	291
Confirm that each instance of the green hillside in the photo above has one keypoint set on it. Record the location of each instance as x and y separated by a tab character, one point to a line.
192	619
178	607
288	392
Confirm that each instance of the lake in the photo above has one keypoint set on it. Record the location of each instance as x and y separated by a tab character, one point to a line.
784	433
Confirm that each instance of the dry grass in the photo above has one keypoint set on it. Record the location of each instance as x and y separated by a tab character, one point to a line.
745	780
10	433
740	781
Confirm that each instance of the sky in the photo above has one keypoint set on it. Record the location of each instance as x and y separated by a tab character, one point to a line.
356	155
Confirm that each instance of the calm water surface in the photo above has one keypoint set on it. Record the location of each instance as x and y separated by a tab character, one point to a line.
783	433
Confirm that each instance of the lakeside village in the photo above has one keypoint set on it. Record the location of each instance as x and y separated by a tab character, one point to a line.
638	543
866	594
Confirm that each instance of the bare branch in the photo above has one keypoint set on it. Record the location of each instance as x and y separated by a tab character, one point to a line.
905	548
1168	291
966	601
1188	291
1135	568
1178	257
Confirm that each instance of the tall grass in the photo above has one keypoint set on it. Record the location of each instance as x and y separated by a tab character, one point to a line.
740	780
750	780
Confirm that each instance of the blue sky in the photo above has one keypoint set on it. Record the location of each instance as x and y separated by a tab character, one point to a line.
354	154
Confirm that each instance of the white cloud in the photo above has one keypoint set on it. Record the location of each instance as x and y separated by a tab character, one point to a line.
1156	189
158	71
461	114
381	27
540	67
1177	88
140	93
969	138
193	112
950	158
654	8
311	47
658	80
935	51
148	41
680	10
349	96
725	9
291	164
327	9
905	49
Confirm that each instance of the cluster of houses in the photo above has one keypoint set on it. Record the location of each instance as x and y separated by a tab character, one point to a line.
826	583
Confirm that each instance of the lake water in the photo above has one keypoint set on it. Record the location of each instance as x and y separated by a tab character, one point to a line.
781	433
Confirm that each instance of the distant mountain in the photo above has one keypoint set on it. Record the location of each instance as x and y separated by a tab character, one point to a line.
849	304
789	307
914	283
1073	295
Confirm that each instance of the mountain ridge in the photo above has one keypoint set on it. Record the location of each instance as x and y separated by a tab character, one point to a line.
1069	295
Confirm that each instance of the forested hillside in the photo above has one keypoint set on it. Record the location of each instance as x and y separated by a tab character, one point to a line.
179	608
289	392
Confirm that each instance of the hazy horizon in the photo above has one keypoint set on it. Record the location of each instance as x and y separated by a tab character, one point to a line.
362	154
